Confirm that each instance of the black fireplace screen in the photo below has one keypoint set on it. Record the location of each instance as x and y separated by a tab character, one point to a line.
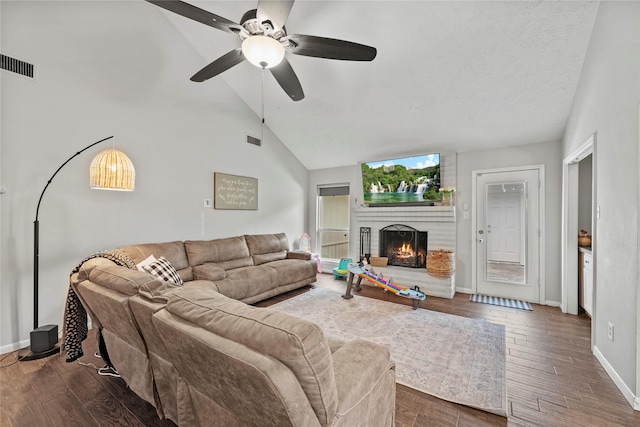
404	246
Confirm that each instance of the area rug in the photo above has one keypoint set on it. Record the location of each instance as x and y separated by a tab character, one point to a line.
502	302
454	358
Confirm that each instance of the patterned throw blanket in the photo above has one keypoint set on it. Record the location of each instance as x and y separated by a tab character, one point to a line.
75	316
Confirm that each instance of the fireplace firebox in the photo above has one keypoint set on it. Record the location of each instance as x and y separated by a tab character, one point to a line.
403	246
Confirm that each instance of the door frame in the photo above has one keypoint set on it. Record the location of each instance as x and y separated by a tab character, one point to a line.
569	260
541	219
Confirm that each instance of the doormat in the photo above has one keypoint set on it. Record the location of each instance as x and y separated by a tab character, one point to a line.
450	357
502	302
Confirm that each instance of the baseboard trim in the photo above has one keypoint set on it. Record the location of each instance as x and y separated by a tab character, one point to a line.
626	391
14	346
26	343
553	303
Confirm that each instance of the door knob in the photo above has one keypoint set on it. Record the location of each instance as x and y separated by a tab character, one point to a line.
480	240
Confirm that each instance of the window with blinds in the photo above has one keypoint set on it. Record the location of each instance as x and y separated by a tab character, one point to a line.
333	222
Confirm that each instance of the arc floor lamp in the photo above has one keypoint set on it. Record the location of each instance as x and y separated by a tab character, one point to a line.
110	170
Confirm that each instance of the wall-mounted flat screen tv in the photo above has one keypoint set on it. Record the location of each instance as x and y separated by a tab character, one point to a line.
404	181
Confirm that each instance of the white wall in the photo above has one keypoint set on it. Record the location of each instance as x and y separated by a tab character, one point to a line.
548	154
606	103
92	83
347	175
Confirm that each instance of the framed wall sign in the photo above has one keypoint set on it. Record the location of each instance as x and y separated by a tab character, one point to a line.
234	192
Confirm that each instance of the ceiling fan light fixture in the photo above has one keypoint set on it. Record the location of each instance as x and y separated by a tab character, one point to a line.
263	51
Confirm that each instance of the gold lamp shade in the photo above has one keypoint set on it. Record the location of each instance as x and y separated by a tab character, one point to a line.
112	170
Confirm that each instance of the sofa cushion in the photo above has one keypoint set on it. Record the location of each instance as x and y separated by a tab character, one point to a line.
292	270
164	270
208	272
226	253
242	283
173	251
267	247
297	343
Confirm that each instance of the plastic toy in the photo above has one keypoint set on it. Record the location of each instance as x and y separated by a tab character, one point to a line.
412	293
341	270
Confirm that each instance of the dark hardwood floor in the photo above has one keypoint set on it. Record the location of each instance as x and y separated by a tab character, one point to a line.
552	378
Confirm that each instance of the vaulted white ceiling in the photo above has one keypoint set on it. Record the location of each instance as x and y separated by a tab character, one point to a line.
449	75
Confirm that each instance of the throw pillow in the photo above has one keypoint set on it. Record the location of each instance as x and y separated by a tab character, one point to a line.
164	270
148	260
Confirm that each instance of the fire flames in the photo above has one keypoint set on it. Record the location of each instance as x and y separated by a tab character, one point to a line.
406	251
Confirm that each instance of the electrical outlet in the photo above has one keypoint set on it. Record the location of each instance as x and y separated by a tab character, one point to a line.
610	331
207	203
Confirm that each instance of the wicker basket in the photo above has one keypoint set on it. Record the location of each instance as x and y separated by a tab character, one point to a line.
378	261
441	263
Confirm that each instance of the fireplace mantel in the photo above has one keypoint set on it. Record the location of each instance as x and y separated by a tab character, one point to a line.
440	224
406	213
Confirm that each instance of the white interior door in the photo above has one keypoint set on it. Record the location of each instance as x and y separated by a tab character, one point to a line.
507	231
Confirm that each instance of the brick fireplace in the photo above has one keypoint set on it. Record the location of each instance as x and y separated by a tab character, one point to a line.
437	222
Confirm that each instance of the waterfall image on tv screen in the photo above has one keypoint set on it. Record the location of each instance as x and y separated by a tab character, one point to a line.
409	180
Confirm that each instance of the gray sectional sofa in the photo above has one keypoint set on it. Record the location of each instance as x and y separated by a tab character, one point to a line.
197	351
247	268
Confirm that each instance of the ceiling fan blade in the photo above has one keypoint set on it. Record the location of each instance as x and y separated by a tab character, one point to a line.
275	11
192	12
221	64
322	47
288	80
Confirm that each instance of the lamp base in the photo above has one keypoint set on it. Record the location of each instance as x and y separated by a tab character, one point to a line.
26	354
44	342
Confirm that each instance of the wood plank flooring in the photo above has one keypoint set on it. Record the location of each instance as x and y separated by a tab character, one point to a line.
552	378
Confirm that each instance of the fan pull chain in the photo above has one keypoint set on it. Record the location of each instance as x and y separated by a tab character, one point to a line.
262	125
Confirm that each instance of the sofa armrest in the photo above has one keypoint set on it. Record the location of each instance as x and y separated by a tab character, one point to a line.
128	281
299	255
365	379
87	266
